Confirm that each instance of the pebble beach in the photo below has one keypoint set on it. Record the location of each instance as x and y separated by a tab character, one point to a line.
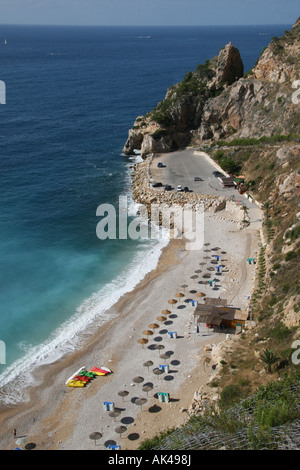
57	417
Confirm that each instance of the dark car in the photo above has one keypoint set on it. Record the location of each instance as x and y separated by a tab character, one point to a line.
168	187
197	178
218	174
161	165
156	185
186	189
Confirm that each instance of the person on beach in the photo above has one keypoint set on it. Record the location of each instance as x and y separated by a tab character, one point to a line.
15	433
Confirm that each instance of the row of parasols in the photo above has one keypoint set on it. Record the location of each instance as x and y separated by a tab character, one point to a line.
140	401
162	318
114	413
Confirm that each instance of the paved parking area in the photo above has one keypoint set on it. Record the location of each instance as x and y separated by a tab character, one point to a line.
182	166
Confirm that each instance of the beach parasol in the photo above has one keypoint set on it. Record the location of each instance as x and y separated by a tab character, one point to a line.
153	326
114	414
161	319
158	372
140	401
159	347
194	276
21	441
179	295
142	341
95	436
121	429
138	380
147	388
184	286
123	393
200	294
148	364
165	356
165	312
147	332
172	301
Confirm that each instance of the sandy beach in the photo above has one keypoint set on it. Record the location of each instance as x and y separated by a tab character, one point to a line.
60	417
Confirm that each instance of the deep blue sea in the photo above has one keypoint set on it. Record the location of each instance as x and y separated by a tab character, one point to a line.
72	93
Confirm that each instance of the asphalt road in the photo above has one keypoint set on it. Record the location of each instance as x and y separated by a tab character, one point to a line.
181	168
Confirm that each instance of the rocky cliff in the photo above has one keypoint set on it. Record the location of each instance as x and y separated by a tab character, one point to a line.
171	124
217	101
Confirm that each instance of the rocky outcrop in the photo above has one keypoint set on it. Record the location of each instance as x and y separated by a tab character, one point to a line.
217	102
169	126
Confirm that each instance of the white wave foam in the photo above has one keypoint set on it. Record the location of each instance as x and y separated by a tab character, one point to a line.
94	310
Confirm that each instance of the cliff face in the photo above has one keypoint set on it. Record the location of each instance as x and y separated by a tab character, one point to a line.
171	124
266	102
216	101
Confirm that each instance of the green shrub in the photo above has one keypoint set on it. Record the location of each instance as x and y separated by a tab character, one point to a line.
230	395
159	133
280	332
291	255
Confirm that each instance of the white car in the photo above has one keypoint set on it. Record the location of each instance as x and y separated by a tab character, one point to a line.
179	188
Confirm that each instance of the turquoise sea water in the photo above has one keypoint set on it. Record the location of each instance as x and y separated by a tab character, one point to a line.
72	93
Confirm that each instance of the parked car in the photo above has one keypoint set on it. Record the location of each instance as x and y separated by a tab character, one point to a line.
161	165
186	189
156	185
179	188
218	174
168	187
197	178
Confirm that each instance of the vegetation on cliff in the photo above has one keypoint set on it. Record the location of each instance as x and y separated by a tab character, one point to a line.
252	128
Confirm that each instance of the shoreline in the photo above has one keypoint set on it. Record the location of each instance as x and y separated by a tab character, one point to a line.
115	346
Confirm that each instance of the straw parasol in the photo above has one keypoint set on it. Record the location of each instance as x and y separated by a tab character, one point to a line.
95	436
142	341
179	295
184	286
159	347
158	372
165	312
172	301
123	393
153	326
147	388
200	294
114	414
147	332
148	364
165	356
121	429
194	276
140	401
138	380
161	319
